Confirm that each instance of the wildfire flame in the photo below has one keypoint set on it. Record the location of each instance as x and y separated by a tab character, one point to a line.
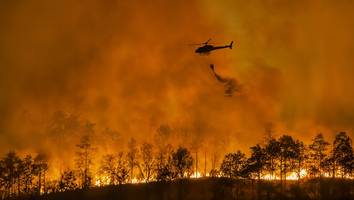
196	175
101	181
135	181
290	176
105	180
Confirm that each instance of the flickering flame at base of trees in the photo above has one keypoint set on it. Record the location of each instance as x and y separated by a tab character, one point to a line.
196	175
290	176
102	181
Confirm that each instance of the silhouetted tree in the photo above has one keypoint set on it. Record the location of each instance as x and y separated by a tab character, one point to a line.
3	177
2	181
132	157
300	157
163	155
164	167
182	162
40	168
67	181
195	145
9	167
108	168
286	154
233	164
273	153
84	160
122	171
328	164
317	154
27	173
148	161
342	154
18	176
165	172
257	161
214	159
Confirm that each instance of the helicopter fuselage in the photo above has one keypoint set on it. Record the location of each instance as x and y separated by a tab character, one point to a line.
208	48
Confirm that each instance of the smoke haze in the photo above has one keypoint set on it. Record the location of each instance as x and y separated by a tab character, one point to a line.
125	66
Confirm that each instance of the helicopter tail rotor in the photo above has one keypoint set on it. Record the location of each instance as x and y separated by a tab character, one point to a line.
230	46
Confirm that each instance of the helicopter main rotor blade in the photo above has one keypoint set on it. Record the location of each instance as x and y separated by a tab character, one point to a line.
196	44
203	43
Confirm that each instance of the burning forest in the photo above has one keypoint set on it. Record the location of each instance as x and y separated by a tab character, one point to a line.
278	159
110	96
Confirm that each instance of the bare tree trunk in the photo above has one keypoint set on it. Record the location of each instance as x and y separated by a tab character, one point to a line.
18	186
334	164
319	166
285	171
39	182
281	169
271	166
205	157
299	170
131	173
44	186
196	163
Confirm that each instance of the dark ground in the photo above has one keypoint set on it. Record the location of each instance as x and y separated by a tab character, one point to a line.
215	188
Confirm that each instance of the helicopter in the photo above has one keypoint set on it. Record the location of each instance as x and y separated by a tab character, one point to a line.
207	48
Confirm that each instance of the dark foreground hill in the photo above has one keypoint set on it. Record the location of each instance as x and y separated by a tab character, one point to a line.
215	188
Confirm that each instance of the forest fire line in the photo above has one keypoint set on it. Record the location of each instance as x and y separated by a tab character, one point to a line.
279	159
104	180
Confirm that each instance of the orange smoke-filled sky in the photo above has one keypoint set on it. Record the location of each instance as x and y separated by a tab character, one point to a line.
127	66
